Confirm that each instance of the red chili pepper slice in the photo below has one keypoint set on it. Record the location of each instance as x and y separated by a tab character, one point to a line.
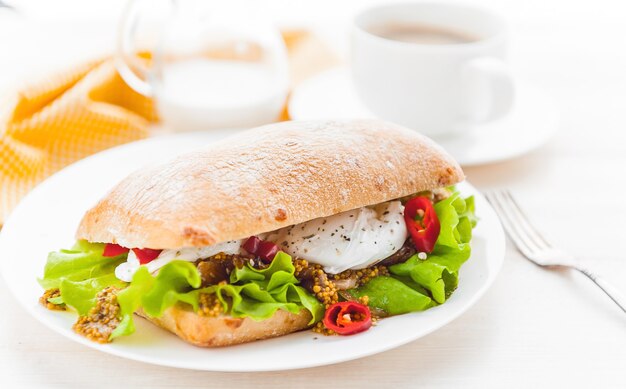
146	255
422	223
251	245
348	318
267	251
261	248
113	250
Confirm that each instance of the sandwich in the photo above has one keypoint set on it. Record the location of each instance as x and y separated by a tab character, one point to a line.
322	225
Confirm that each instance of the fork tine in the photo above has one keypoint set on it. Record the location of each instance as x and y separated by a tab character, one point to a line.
518	225
520	240
526	222
523	228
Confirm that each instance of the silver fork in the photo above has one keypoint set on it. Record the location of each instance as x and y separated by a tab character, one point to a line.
536	248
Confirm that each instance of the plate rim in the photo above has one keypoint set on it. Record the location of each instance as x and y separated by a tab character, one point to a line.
497	240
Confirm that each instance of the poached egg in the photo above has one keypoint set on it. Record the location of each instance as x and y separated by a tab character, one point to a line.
354	239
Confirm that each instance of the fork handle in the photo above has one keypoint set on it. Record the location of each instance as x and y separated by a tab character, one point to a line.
610	290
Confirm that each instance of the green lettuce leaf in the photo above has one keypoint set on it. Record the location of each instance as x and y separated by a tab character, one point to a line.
56	300
81	295
259	293
154	294
84	261
80	274
129	301
392	296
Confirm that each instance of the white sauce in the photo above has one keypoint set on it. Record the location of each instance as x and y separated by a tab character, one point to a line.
126	270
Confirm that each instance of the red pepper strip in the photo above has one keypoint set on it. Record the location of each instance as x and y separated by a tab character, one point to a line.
146	255
348	318
261	248
113	250
423	226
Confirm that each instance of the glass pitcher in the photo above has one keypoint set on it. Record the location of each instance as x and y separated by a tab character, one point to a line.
207	64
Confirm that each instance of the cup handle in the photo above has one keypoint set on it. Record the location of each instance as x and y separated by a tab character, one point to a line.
129	65
491	88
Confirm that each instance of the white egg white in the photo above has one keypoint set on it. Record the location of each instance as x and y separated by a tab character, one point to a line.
353	239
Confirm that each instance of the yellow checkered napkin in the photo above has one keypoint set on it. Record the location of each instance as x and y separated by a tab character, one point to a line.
64	118
68	116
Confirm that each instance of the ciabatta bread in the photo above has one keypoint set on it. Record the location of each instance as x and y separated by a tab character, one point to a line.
267	178
226	330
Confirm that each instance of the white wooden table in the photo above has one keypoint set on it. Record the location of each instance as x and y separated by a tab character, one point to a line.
533	328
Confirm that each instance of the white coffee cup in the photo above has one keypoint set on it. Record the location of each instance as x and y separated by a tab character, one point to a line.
435	88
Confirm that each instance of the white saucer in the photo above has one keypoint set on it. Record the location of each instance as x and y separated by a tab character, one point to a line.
533	121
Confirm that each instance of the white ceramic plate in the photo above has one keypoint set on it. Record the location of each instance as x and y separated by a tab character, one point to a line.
531	123
47	218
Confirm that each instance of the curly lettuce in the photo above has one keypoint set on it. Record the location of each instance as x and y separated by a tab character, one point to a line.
259	293
253	293
82	272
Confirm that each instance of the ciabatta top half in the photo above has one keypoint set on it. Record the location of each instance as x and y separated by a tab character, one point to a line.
267	178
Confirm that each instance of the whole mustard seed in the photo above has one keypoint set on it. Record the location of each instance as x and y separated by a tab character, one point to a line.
209	305
362	276
49	294
320	328
323	288
322	285
102	319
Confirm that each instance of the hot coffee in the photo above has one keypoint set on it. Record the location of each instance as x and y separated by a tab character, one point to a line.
421	34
